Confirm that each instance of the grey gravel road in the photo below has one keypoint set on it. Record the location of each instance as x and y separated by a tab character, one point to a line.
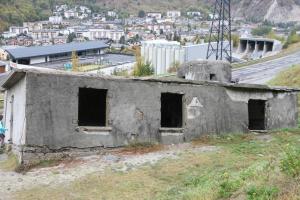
263	72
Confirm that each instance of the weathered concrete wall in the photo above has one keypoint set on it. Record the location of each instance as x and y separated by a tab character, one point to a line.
14	111
133	111
281	108
202	71
282	111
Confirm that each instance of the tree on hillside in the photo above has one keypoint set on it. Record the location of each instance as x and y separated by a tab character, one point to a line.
141	14
75	61
142	68
161	31
262	30
292	38
71	37
122	40
176	37
235	40
189	27
197	39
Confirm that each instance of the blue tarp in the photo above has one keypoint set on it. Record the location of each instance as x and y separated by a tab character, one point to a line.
2	129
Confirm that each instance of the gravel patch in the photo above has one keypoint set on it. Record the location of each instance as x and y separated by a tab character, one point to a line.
65	173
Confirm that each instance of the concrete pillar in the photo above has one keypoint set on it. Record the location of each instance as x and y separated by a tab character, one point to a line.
143	51
147	53
265	49
181	57
256	47
154	58
150	55
239	49
159	61
177	55
163	60
247	47
168	58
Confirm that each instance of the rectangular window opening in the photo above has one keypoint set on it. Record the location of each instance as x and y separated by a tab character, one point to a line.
92	107
171	110
212	77
256	110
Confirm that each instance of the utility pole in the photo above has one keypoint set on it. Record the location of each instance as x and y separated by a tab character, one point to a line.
220	32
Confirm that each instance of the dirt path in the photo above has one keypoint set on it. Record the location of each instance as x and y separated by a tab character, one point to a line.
67	172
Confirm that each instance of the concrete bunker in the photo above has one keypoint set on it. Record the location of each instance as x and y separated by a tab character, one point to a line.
251	46
269	46
55	110
171	110
260	45
255	48
217	71
257	114
92	107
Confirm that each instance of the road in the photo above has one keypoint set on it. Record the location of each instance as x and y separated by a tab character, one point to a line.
263	72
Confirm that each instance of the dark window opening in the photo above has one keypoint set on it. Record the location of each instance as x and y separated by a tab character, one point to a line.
243	45
212	77
171	110
251	46
269	46
256	109
260	46
24	61
92	107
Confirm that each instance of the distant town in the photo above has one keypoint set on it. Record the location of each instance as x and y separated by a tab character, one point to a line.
181	37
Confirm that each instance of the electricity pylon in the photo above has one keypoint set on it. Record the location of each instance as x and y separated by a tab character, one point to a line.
220	32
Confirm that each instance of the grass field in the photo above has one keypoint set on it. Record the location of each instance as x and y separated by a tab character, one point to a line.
10	164
290	77
245	167
87	68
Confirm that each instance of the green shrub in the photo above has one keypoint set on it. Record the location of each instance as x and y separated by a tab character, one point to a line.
143	69
262	193
292	39
290	163
262	30
228	186
120	72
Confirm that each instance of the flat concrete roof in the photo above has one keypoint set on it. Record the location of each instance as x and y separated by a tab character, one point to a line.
28	52
259	39
17	73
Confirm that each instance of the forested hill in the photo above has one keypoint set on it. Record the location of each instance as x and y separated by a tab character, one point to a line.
18	11
15	12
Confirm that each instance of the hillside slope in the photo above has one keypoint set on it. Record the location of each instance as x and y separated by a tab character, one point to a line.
271	10
18	11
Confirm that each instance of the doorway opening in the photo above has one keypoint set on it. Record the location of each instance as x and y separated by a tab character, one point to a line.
256	110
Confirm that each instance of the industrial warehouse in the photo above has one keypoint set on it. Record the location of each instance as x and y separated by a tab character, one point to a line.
45	54
48	111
